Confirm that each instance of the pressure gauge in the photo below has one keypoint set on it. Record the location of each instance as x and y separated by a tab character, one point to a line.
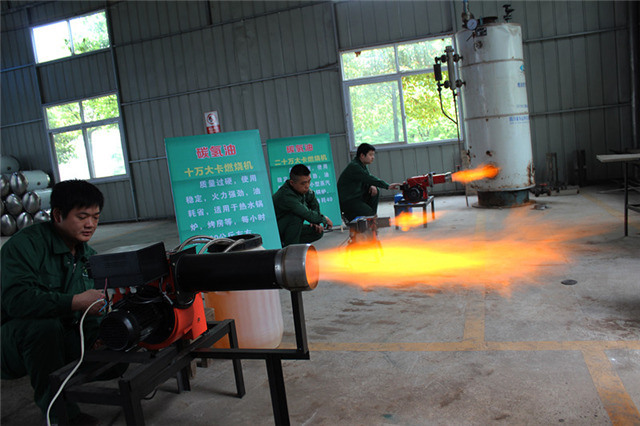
472	24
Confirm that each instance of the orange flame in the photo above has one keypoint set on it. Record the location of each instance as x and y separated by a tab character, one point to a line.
481	172
408	220
512	255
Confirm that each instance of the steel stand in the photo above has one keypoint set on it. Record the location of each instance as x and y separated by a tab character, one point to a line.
150	370
273	359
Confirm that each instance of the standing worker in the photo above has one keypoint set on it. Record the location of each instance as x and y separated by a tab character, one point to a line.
357	188
294	203
46	289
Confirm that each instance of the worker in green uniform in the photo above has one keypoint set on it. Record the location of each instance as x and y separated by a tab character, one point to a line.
46	289
357	188
294	203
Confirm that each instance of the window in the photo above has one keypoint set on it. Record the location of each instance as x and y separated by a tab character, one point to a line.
71	37
391	94
86	138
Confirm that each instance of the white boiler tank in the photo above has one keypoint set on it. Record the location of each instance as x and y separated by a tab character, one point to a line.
496	111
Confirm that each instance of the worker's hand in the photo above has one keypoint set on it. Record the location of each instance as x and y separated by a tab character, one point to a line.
395	185
318	228
373	191
329	223
82	301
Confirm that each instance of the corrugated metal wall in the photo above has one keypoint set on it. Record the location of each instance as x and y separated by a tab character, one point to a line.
366	23
274	70
27	86
274	66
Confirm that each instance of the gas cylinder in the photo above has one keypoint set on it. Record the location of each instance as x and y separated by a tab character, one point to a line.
41	216
8	224
9	164
45	197
13	203
31	202
24	220
5	187
28	180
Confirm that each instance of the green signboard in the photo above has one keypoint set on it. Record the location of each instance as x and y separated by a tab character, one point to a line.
220	186
314	151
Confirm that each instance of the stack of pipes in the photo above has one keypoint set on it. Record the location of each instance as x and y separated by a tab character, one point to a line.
25	196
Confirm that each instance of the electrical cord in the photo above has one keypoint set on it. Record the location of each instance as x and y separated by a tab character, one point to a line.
53	400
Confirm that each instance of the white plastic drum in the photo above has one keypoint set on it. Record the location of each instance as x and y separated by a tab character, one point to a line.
495	105
257	313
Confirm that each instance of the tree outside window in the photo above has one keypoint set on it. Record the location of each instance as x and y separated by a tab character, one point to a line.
71	37
392	96
86	138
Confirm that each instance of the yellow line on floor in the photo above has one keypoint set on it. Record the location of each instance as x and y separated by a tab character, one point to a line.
474	316
612	392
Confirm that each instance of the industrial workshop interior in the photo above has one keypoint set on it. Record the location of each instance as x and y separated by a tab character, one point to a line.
496	281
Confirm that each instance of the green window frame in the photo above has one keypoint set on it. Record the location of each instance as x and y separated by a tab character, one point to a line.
391	96
86	139
71	37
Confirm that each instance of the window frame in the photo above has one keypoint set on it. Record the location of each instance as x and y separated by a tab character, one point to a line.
71	41
83	126
396	77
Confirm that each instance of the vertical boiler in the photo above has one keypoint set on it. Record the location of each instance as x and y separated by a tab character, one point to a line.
496	111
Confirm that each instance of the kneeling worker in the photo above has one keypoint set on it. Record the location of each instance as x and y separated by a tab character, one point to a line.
294	203
357	188
46	289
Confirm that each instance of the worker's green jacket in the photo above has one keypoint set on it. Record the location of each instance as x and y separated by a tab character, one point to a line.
355	180
292	209
40	333
40	276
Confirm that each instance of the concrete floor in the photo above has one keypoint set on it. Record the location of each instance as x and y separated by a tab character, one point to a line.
546	353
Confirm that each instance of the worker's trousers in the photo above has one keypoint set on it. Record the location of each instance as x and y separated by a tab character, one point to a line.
365	206
38	347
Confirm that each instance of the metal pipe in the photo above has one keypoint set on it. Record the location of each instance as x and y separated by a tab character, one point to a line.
564	36
329	67
294	268
633	65
582	109
22	123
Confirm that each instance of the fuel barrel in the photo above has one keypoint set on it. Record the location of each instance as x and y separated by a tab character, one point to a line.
257	313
